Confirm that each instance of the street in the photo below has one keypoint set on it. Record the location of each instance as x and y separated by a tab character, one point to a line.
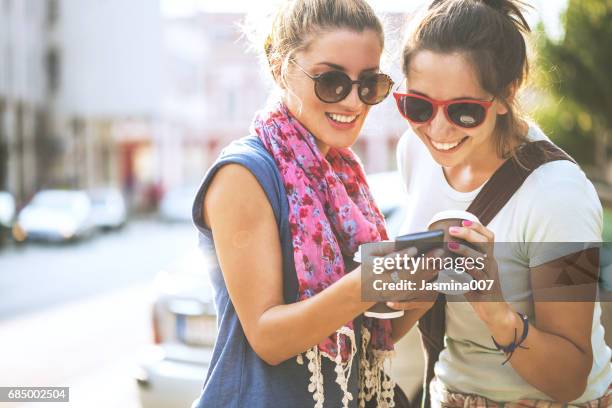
36	276
79	315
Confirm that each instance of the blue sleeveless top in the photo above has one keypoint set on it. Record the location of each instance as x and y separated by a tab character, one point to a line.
237	377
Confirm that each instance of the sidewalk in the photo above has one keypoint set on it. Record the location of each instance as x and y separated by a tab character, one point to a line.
91	346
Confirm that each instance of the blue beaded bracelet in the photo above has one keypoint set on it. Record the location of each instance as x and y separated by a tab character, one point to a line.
509	349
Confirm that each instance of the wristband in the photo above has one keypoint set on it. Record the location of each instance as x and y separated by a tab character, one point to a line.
509	349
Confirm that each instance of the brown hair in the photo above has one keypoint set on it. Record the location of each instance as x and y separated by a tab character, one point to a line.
490	34
298	22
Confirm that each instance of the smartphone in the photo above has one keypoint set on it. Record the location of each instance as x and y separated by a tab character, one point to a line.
422	241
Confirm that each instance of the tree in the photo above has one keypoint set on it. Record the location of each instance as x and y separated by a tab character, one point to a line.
578	71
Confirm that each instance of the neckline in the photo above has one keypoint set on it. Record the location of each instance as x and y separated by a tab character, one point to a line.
456	195
533	134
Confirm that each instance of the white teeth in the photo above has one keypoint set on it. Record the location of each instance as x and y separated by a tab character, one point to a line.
342	118
445	146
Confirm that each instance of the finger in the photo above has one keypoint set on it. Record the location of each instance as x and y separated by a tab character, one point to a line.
412	251
431	255
470	253
468	234
480	229
425	267
418	296
485	248
475	239
464	250
477	274
411	305
435	253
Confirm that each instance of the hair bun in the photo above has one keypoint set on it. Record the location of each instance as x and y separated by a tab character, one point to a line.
496	4
500	5
513	9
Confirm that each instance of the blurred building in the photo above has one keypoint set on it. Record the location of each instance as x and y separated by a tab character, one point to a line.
213	86
108	92
79	92
26	74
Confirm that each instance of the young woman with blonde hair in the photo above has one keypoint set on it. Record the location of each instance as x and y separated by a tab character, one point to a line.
284	209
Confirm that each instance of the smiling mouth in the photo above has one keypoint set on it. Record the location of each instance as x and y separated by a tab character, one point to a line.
341	118
445	147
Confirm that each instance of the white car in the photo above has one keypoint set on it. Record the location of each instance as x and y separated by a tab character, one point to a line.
108	207
176	204
55	215
7	214
173	369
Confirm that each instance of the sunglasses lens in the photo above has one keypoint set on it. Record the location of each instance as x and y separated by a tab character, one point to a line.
374	88
333	86
467	115
416	109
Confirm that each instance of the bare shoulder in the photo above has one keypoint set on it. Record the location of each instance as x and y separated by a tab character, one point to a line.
234	191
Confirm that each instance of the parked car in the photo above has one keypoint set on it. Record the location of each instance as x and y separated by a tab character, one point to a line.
108	208
177	202
183	318
7	215
55	215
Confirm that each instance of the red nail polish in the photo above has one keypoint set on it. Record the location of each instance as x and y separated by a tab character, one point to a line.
467	223
453	230
453	245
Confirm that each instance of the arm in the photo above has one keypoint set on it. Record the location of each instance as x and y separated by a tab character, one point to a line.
413	311
558	358
417	303
248	247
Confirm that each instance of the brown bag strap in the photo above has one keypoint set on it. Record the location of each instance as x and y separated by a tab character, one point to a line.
510	177
490	200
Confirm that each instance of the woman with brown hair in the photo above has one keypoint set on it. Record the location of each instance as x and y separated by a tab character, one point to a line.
464	62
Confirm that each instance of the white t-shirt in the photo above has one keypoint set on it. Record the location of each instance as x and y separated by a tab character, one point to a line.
556	203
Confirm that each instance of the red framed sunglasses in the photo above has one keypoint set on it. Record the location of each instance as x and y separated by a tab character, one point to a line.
465	113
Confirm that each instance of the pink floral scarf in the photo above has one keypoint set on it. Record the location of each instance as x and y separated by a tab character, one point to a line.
331	213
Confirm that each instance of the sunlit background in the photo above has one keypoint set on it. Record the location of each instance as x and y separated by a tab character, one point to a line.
110	113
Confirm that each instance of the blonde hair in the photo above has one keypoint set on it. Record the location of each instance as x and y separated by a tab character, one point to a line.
296	23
